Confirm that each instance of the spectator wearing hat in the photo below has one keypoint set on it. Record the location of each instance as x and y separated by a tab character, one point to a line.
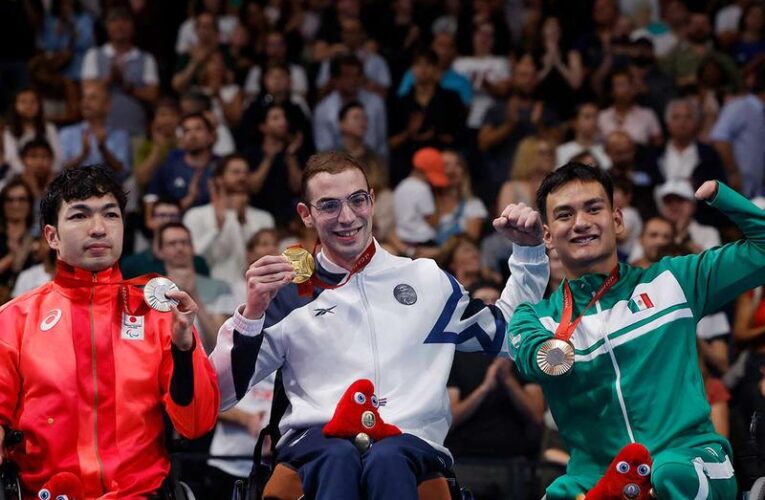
129	73
414	202
677	204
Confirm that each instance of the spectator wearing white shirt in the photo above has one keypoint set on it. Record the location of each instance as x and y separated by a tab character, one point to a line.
187	33
414	203
348	80
376	70
489	73
276	53
640	123
213	297
220	229
129	73
586	137
25	123
684	157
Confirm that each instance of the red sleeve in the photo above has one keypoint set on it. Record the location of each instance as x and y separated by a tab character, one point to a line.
10	378
199	416
716	391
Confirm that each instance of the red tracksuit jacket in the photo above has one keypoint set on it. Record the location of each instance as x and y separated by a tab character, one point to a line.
86	382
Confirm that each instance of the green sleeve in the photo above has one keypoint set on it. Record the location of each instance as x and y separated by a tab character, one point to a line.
719	275
525	334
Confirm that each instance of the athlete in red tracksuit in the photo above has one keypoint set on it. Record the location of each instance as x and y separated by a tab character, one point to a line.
86	367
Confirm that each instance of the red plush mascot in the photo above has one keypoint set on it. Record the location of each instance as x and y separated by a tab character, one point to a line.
62	486
357	413
628	476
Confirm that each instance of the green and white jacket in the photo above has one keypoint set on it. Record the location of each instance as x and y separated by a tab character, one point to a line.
636	377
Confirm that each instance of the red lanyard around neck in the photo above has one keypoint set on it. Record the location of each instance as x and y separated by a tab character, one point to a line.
566	327
123	285
305	289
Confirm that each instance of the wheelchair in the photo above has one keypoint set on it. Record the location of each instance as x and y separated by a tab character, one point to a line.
271	481
10	486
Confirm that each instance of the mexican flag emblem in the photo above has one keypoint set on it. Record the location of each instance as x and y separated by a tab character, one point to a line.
640	303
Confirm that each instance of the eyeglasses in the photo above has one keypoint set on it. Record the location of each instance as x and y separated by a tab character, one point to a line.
359	202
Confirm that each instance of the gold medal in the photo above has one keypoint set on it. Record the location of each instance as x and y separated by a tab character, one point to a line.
154	294
302	262
555	357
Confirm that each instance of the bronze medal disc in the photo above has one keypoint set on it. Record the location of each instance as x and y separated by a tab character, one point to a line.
555	357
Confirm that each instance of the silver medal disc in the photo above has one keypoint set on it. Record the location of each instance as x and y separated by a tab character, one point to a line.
555	357
154	294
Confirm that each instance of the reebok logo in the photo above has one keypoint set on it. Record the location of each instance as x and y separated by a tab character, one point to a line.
322	312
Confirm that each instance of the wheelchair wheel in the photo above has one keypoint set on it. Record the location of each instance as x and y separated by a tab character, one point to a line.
10	488
758	490
183	492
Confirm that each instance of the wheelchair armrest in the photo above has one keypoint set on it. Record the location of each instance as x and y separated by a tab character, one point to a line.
12	437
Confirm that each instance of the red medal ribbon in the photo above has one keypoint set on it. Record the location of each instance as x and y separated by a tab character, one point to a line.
305	289
124	287
566	327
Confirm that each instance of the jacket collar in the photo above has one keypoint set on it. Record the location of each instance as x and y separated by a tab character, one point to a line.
67	273
325	264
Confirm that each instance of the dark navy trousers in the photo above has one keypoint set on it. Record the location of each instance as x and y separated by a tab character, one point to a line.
333	469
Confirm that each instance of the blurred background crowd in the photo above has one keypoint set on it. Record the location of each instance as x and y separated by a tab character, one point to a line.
208	109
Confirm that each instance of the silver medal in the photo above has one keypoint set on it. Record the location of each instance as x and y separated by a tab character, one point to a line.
154	294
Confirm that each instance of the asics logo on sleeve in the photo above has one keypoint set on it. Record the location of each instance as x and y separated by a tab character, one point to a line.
322	312
50	320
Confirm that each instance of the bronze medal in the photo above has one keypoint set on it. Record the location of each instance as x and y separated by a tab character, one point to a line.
555	357
302	262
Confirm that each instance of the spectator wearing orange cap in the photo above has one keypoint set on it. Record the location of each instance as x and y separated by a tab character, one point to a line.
414	202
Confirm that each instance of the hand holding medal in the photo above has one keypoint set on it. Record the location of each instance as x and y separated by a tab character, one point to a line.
302	262
163	295
265	277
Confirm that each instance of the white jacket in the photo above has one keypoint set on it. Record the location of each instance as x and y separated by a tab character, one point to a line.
397	323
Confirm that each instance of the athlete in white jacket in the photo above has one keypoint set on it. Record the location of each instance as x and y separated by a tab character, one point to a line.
395	321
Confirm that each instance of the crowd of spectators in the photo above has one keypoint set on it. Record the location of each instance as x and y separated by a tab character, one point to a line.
206	110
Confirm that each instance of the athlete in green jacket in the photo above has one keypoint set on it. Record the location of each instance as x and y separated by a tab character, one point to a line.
635	376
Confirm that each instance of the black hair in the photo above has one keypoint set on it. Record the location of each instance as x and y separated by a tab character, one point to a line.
347	107
427	54
484	283
201	101
79	183
165	200
14	183
220	166
36	143
200	116
170	225
570	172
349	60
624	184
15	124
